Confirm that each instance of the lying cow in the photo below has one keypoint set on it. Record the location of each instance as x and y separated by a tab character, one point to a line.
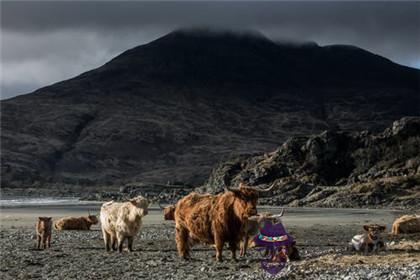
214	219
43	232
253	228
122	220
371	240
406	224
73	223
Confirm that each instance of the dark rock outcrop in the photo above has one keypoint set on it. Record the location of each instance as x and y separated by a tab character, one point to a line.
335	169
171	109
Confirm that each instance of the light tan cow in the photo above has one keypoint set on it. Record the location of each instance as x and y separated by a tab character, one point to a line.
406	224
122	220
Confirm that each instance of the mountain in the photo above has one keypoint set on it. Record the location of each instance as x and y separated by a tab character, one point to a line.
334	169
172	109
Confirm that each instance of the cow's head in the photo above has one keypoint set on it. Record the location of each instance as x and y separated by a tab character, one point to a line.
92	219
374	231
168	212
247	197
261	218
142	203
44	222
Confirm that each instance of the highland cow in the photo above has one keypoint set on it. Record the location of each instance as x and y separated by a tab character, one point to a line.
73	223
406	224
214	219
253	227
43	232
122	220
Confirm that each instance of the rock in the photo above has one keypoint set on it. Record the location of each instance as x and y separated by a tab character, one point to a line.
334	169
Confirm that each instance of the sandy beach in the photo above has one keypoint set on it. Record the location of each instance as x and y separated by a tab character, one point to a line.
321	234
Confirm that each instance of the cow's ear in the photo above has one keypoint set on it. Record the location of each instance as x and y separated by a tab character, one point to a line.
366	227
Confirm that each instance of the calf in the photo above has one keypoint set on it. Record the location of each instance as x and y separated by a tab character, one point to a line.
73	223
43	232
371	239
120	221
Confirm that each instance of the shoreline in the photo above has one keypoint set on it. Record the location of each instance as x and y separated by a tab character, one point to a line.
321	234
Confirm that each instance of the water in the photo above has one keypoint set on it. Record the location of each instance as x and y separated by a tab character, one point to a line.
40	201
24	211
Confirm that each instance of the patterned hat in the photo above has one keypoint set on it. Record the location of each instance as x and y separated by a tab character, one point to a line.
273	235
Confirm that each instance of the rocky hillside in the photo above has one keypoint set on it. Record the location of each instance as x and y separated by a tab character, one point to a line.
335	169
171	109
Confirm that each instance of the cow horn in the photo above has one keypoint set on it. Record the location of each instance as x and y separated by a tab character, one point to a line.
254	218
278	215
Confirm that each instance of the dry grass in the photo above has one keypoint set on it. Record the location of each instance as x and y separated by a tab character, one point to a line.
403	252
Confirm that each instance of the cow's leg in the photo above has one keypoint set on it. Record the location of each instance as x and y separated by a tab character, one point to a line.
44	241
130	243
107	240
244	245
182	242
120	239
113	242
233	247
49	240
218	241
39	241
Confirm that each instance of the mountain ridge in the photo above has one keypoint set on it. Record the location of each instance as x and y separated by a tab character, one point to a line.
169	110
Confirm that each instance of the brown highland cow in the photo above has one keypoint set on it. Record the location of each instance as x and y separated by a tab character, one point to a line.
43	232
73	223
215	219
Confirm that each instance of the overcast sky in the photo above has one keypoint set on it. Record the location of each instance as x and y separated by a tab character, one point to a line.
45	42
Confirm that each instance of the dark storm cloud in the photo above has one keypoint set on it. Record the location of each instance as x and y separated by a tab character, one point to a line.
49	41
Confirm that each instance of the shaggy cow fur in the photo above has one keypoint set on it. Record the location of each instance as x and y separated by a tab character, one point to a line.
73	223
406	224
43	232
122	221
214	219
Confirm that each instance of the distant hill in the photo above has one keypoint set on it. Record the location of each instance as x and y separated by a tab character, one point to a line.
172	109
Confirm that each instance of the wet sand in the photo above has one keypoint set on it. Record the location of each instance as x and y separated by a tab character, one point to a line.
321	234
